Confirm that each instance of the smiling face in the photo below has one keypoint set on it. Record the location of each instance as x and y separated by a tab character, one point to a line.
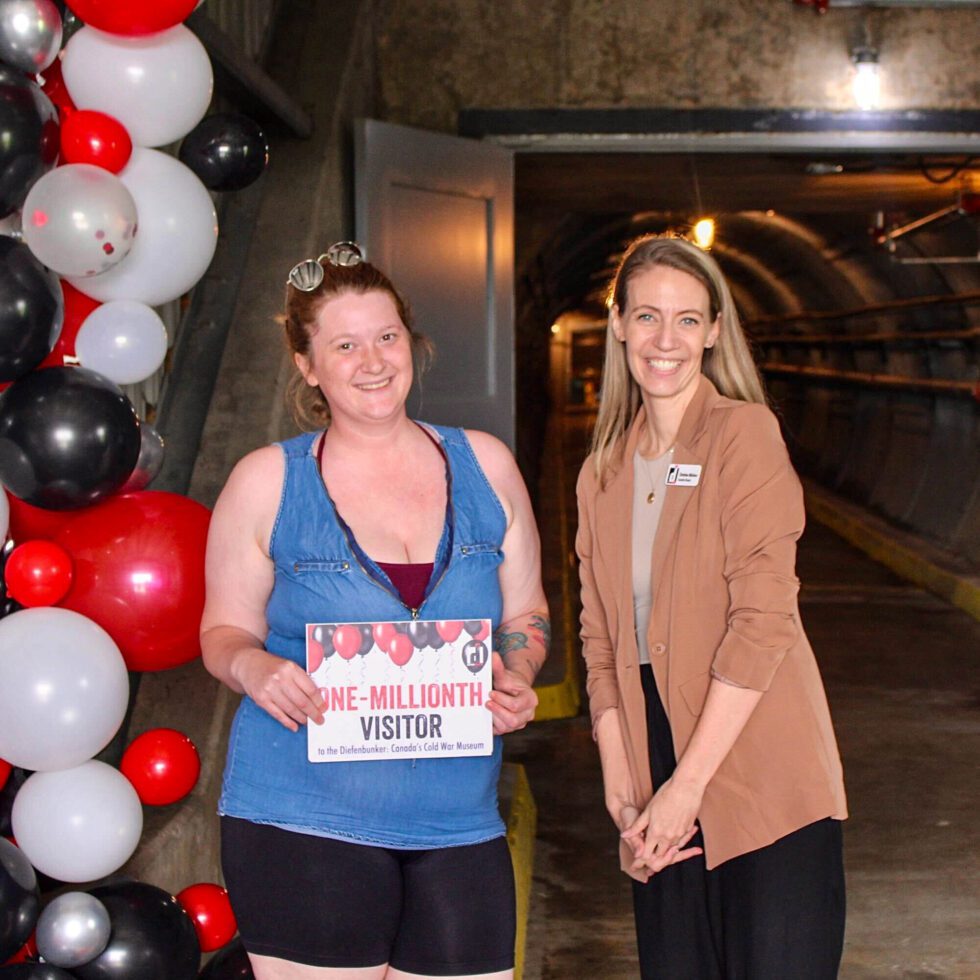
360	357
666	326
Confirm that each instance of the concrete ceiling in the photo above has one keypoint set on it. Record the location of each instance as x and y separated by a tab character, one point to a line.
784	220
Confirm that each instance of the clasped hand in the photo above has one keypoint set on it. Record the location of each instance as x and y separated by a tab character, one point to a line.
512	700
658	834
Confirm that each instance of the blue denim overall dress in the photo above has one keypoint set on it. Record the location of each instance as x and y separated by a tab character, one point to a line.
322	576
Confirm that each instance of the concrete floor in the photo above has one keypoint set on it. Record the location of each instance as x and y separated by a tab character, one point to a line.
902	674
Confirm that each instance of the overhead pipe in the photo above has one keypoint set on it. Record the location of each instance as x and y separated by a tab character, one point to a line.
934	386
871	309
837	339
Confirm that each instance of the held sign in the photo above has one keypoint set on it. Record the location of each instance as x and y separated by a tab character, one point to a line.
400	690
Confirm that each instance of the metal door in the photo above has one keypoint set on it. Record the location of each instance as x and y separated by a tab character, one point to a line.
435	212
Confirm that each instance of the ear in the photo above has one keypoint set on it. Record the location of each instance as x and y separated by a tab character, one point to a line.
305	368
615	324
713	333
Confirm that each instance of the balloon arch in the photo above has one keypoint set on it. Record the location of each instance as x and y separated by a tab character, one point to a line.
100	575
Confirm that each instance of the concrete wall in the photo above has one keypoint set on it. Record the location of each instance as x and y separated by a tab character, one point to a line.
435	57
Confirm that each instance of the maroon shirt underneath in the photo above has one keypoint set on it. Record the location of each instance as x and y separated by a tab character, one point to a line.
410	580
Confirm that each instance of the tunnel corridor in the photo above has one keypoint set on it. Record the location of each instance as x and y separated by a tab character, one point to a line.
856	279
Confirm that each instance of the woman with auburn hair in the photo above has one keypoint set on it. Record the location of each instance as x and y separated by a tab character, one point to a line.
720	767
365	868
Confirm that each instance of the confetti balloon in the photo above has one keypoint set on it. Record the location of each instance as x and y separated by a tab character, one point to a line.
79	220
30	34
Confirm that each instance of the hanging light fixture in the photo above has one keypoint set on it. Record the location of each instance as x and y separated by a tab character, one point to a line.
704	233
867	77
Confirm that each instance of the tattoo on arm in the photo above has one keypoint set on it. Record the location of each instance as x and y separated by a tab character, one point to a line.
543	625
504	642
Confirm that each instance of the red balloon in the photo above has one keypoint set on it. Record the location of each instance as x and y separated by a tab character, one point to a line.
314	654
89	136
162	764
38	573
449	629
139	573
27	952
400	649
383	632
482	632
5	768
77	308
132	17
210	911
347	641
28	522
54	88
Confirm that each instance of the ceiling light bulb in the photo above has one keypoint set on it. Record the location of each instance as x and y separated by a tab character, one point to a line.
867	78
704	233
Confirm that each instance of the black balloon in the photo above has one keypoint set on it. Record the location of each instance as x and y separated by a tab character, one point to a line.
32	310
34	971
70	21
229	963
8	791
20	899
324	636
419	631
367	638
226	150
152	937
29	135
68	437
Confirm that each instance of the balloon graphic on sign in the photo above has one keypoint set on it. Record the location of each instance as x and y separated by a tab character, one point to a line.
474	656
477	628
400	649
449	630
347	641
367	638
383	634
418	631
314	649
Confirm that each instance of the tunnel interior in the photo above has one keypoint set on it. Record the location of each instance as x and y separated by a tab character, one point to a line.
855	276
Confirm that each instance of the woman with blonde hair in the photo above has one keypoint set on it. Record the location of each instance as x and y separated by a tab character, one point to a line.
720	766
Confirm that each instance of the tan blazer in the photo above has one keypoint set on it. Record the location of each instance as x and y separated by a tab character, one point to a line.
724	599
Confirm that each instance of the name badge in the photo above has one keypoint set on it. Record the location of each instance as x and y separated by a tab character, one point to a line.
684	475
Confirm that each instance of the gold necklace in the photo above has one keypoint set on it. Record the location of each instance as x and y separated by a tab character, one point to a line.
651	482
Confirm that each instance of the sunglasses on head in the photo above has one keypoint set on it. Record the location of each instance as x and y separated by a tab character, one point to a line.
308	274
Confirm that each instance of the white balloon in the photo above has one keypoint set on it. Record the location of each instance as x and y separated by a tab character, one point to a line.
124	340
157	85
178	233
79	220
64	688
78	824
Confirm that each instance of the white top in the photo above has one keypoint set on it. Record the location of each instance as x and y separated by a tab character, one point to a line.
649	488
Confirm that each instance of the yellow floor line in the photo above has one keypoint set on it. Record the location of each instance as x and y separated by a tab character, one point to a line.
522	821
960	590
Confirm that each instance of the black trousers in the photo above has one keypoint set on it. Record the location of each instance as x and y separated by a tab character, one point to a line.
774	913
